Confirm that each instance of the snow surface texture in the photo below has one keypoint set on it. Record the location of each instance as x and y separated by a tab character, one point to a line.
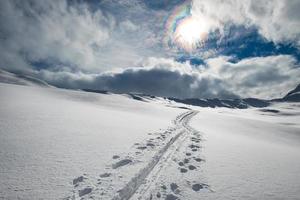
251	154
134	180
63	144
49	136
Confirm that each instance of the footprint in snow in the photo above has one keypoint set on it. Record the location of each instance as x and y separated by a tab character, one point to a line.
121	163
78	180
199	186
198	159
174	187
171	197
105	175
183	170
142	148
85	191
150	144
195	139
192	146
192	167
158	195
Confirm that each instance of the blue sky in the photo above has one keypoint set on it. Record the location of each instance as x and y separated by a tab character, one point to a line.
214	48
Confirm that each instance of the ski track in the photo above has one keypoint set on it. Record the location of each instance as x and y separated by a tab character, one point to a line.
137	187
159	161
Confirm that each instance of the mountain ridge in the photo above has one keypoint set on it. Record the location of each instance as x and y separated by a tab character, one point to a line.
243	103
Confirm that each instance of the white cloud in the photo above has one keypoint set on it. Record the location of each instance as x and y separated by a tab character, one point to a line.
168	64
261	77
63	33
128	25
276	20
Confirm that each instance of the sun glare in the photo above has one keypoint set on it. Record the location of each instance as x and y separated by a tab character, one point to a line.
190	33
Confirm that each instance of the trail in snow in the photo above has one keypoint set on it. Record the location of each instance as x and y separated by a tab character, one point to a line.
132	176
158	161
177	172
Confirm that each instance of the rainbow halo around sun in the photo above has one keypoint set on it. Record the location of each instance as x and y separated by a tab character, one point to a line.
184	30
189	34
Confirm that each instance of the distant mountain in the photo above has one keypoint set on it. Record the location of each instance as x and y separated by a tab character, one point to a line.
96	91
293	96
228	103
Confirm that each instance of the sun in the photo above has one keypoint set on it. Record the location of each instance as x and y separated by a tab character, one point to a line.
190	33
185	29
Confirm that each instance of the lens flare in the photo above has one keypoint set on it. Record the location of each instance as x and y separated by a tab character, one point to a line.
184	30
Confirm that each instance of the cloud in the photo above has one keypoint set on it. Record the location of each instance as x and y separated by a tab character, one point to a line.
161	77
75	35
52	31
262	77
276	20
162	4
117	46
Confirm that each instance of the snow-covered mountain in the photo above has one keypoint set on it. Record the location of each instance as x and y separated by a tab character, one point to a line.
292	96
66	144
228	103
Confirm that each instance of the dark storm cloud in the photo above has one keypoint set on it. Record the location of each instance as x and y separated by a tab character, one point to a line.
268	77
154	81
162	82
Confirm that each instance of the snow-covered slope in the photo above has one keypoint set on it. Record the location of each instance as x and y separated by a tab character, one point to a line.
50	136
65	144
231	154
250	154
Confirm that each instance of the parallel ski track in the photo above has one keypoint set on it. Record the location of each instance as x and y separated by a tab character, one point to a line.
159	160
